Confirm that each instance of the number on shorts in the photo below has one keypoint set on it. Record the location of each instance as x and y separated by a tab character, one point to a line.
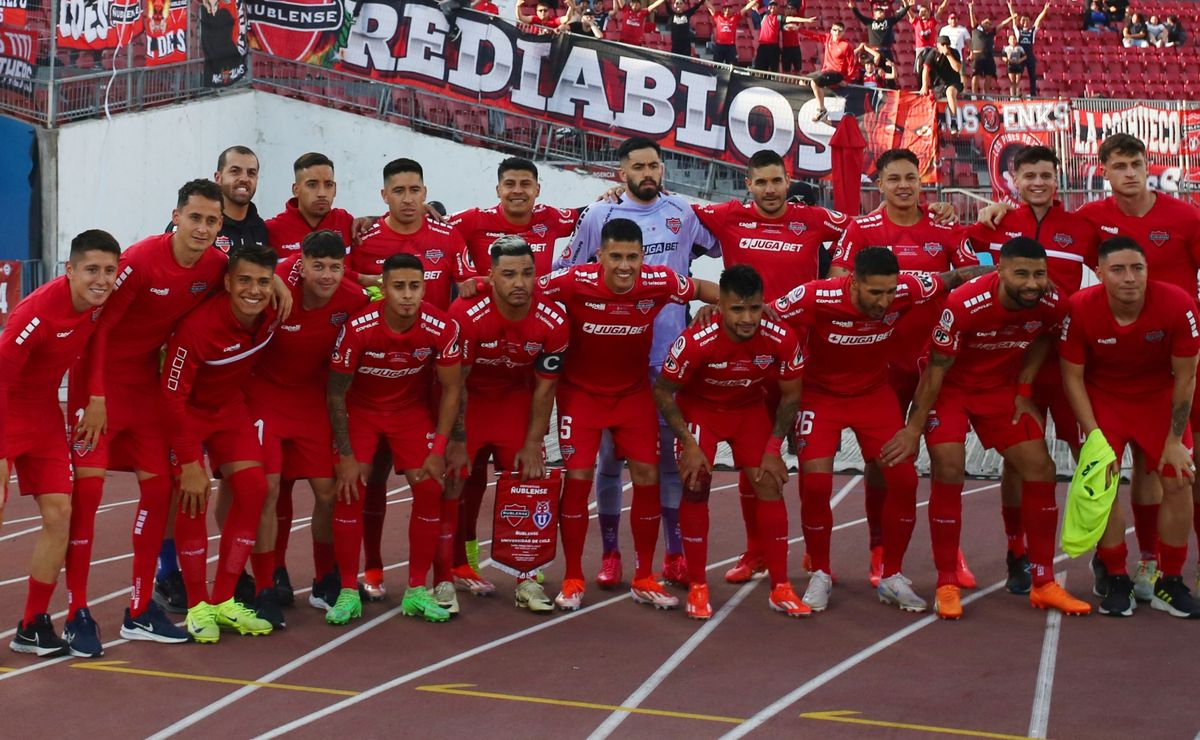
564	427
695	430
806	422
258	424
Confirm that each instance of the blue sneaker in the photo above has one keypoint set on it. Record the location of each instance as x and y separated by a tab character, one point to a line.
153	626
82	635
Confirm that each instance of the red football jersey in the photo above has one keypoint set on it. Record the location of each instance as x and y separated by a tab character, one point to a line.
727	375
44	337
987	339
923	31
503	355
294	367
611	334
286	230
440	249
848	353
1169	233
394	371
1134	359
922	247
634	24
725	29
1069	239
785	251
155	292
482	226
208	359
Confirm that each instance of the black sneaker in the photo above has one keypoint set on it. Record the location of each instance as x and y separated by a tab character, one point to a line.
1171	595
38	638
170	593
1099	577
1118	601
266	606
1019	580
953	126
325	592
245	590
153	626
82	635
284	593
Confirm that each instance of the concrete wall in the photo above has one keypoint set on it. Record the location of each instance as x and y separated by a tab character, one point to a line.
121	175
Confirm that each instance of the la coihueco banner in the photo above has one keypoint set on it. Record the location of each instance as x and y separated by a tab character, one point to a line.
586	83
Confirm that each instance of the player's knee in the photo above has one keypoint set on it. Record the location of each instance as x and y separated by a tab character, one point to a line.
947	470
695	495
56	511
643	474
1176	490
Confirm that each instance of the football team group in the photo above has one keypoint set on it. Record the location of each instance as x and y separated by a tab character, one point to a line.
317	346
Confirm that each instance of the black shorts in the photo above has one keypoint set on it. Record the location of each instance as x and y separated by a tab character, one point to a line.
1016	69
725	53
767	58
985	66
939	90
792	58
829	79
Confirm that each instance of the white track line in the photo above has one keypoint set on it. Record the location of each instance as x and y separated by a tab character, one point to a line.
1039	717
844	492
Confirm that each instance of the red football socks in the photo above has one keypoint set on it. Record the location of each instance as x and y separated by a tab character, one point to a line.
84	501
283	521
1114	559
749	500
693	526
1145	529
772	533
1172	558
191	545
899	515
348	536
945	528
262	566
38	600
645	515
468	518
149	528
816	517
573	521
1040	512
374	509
1014	529
249	486
445	549
324	560
874	504
424	528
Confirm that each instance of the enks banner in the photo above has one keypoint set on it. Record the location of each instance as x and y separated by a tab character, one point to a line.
165	24
589	84
1170	136
309	31
223	41
18	55
1003	128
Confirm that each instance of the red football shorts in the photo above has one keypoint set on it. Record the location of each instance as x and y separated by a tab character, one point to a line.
497	424
38	451
583	416
1142	420
747	430
297	441
988	412
1051	400
874	417
135	438
408	434
903	379
228	436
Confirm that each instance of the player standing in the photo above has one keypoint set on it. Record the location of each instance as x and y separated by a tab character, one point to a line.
850	322
673	237
46	334
985	353
381	377
1129	350
512	345
286	397
907	228
310	208
1070	242
711	391
613	306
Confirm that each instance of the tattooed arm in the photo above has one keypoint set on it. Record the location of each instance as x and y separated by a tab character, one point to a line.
693	465
955	278
1175	454
349	472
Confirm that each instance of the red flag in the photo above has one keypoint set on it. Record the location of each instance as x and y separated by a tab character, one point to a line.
525	526
848	146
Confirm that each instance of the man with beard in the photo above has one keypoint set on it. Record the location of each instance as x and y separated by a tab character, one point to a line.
672	236
237	176
310	208
986	351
